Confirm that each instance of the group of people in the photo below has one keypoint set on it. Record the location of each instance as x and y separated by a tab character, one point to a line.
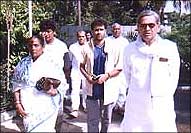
140	76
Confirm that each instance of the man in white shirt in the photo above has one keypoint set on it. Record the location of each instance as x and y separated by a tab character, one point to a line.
151	66
77	78
54	48
120	42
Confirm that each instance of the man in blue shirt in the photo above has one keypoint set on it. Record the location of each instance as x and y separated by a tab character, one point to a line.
102	59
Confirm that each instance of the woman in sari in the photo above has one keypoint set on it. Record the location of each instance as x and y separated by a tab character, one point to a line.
38	108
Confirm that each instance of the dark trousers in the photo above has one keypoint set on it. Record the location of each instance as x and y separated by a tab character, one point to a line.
96	111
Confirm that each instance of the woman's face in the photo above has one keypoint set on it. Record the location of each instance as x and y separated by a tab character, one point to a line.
35	48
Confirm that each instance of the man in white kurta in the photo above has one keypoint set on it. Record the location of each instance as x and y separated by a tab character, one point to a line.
76	76
120	42
151	66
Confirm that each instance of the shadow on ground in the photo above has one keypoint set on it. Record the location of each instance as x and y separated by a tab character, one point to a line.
7	130
66	124
182	107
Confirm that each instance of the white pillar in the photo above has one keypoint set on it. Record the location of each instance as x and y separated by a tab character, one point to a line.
30	17
9	21
79	13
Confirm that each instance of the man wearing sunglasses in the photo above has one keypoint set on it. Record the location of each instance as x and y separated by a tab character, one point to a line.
151	66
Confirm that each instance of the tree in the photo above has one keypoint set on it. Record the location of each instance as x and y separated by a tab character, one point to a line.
65	13
181	35
19	12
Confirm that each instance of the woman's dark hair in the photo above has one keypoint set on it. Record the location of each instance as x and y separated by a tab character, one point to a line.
39	37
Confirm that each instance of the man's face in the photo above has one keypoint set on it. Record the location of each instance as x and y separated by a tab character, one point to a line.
99	33
48	35
88	36
35	48
81	38
148	28
116	31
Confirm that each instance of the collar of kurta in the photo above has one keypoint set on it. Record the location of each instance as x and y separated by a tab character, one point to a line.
151	50
92	45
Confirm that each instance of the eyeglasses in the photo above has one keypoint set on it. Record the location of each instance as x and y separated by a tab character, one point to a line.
144	26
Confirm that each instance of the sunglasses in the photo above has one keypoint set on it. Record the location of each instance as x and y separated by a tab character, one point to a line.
144	26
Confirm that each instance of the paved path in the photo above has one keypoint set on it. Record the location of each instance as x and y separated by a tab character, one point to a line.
66	124
182	107
79	124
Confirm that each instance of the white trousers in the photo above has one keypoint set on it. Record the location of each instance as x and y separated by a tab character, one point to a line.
77	89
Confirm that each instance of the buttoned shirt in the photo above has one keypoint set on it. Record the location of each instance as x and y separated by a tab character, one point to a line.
113	61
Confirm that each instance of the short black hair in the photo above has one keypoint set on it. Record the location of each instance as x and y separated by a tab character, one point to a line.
98	22
47	24
88	31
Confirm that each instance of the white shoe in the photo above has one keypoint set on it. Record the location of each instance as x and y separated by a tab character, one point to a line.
74	114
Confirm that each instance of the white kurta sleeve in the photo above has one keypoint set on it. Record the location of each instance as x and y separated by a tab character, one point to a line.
174	67
126	66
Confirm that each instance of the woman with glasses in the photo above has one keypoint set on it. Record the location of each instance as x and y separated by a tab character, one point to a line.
151	67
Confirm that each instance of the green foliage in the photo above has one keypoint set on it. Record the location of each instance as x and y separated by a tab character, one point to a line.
19	30
65	12
20	25
181	34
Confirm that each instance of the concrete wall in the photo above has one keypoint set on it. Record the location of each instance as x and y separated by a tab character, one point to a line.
68	32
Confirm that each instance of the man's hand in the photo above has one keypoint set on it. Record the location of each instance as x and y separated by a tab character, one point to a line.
91	80
103	78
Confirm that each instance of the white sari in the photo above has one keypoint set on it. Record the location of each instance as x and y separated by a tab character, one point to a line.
42	109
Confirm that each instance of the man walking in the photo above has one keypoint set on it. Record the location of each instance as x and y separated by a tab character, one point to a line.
100	65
